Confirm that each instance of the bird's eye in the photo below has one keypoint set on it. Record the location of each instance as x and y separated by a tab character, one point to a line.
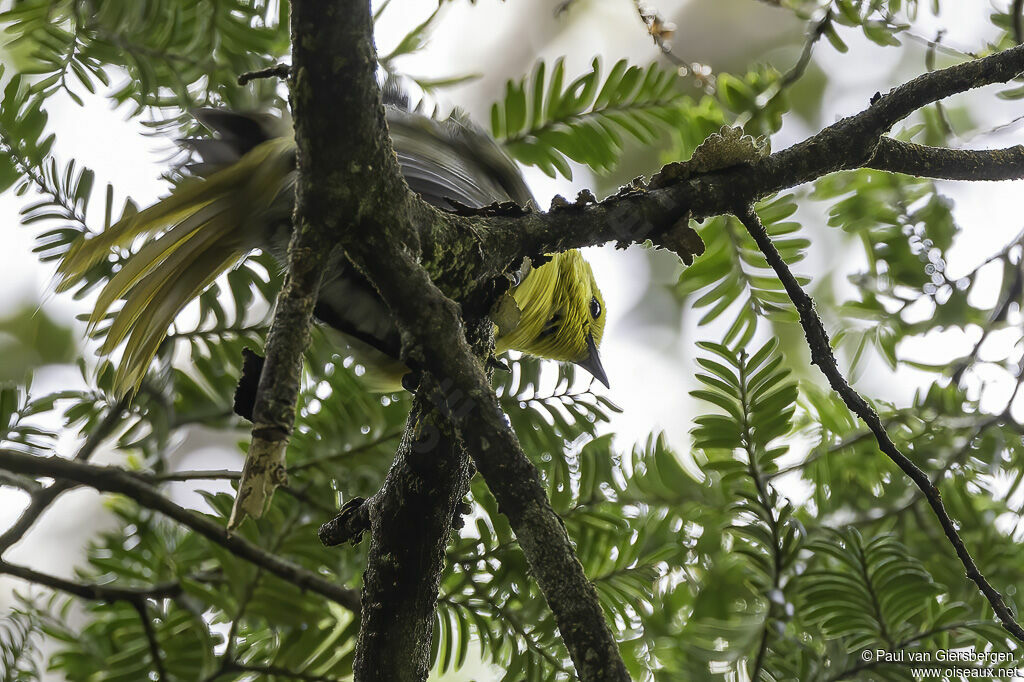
595	308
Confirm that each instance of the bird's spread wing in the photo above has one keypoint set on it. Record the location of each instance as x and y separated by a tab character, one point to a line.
241	197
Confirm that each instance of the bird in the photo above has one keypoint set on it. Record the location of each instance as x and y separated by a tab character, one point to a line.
238	197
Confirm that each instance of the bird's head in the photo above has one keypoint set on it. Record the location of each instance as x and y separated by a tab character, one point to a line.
563	313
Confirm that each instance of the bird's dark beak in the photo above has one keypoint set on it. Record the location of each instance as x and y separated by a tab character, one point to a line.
592	363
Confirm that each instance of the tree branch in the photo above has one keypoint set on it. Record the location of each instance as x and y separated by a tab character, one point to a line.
948	164
354	450
154	643
637	213
222	475
42	498
410	523
332	79
350	194
92	591
23	483
275	71
116	480
937	477
386	247
433	340
815	30
822	357
350	187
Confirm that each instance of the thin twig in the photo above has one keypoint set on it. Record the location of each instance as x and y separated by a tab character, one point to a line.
219	331
822	357
91	591
224	475
900	646
661	32
816	30
764	498
117	480
154	643
1011	294
825	452
275	71
996	129
958	457
1018	20
197	475
632	216
354	450
44	497
227	658
1004	418
899	419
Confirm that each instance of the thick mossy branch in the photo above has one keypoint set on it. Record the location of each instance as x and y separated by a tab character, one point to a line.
349	180
114	480
350	193
330	43
822	356
637	213
434	340
410	524
948	164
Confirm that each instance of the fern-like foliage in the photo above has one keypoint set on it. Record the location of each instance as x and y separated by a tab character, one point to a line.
867	591
872	594
412	42
620	510
20	429
167	48
19	630
543	120
756	99
706	570
733	275
907	230
24	144
756	404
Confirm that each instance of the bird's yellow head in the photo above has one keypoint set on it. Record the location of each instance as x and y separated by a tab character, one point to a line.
563	314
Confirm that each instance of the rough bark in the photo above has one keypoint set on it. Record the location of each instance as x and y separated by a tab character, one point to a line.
853	142
410	523
350	185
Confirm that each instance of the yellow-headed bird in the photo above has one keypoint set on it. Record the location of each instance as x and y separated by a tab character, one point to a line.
240	198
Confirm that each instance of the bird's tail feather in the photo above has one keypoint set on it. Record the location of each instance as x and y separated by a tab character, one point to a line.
191	237
151	326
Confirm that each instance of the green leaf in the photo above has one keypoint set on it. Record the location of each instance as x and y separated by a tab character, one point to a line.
544	124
